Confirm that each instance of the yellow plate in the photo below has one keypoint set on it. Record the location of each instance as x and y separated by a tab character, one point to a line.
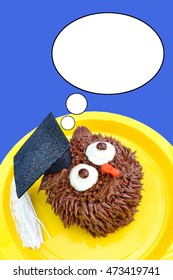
150	236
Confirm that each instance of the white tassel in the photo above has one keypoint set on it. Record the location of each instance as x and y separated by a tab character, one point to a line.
26	221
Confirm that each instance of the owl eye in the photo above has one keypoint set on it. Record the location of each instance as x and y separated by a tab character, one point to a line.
100	152
83	177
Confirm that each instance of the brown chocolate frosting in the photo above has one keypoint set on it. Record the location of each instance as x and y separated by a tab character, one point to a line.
111	203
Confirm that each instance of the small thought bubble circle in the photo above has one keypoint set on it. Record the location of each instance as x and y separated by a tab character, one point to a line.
108	53
76	103
67	122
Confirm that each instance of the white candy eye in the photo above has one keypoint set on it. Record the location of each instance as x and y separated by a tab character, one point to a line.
83	177
100	152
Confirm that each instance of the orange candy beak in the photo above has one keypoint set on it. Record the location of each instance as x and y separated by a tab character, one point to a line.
109	169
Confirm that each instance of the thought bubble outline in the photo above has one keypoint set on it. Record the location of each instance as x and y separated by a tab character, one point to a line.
70	117
85	107
131	90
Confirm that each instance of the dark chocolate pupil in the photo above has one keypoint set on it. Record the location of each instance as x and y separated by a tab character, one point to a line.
101	146
83	173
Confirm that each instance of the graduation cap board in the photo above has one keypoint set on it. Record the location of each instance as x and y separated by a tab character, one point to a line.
46	151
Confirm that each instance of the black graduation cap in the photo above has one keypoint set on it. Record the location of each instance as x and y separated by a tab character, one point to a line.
46	151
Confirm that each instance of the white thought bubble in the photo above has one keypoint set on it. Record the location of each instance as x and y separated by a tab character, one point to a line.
108	53
67	122
76	103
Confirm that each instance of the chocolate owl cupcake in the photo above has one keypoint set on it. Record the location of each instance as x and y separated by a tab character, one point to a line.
101	190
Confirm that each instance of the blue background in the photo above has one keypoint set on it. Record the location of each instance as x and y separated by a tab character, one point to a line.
30	86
